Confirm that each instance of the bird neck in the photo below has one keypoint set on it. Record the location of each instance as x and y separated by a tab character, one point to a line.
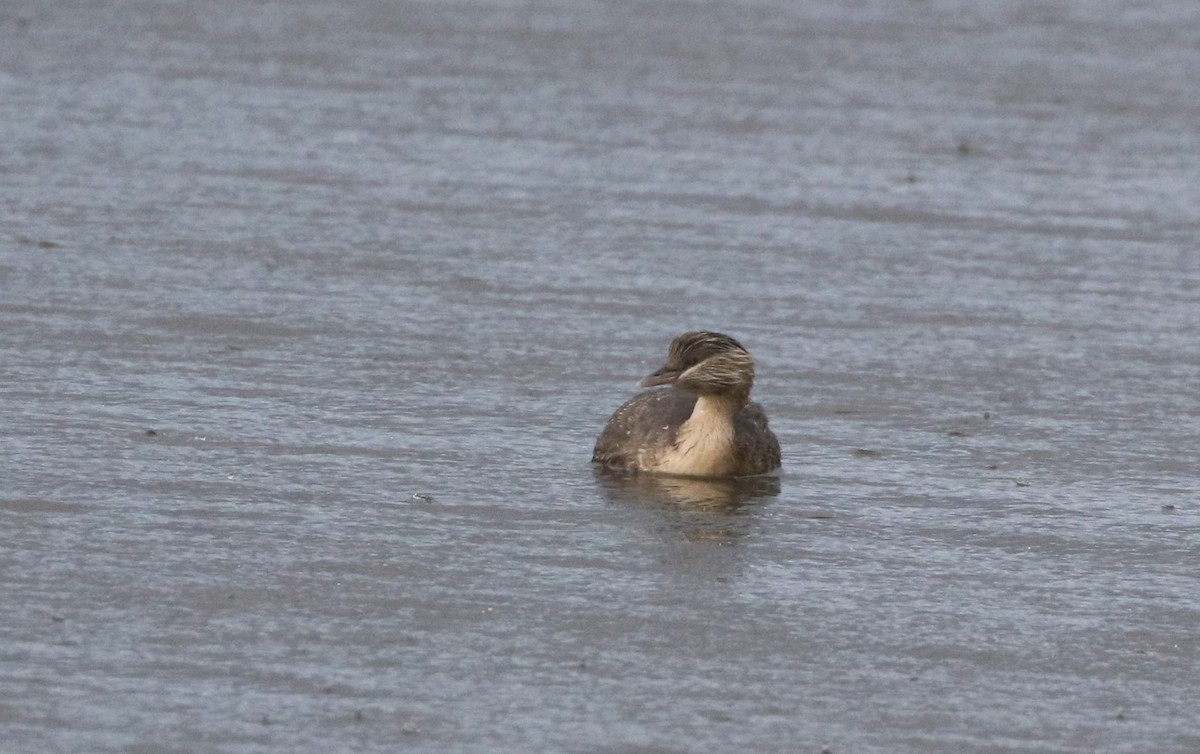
705	445
712	407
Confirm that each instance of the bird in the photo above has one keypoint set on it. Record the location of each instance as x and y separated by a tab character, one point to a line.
698	420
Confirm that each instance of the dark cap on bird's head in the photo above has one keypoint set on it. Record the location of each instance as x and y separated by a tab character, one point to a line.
705	362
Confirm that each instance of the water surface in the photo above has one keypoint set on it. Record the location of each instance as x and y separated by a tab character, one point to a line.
310	313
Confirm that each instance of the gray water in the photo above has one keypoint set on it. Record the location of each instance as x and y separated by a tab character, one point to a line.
310	313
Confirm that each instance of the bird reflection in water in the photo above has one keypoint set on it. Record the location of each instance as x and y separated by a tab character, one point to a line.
710	510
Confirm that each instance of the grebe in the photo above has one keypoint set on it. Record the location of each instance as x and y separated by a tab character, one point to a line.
704	424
